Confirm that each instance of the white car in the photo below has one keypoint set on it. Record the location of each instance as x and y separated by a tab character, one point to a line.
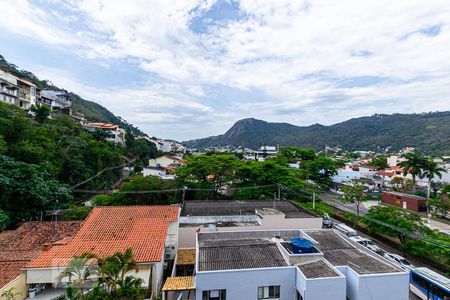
399	260
367	243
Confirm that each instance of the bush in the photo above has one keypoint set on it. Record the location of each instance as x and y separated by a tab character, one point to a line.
77	213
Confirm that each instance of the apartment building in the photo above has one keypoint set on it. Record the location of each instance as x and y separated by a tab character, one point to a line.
17	91
286	265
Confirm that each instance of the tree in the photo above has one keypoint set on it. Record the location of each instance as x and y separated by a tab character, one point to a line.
441	205
430	170
394	222
380	161
216	170
413	164
111	272
140	183
4	220
354	194
77	273
11	294
42	112
27	190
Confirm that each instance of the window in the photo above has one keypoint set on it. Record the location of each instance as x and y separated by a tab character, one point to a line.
214	295
269	292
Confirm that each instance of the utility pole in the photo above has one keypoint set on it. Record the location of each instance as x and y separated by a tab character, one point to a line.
279	191
184	194
314	200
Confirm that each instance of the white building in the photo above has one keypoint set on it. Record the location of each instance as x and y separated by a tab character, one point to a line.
116	134
204	216
164	161
290	265
17	91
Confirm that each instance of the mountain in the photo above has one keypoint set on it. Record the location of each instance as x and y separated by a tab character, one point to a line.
430	132
91	110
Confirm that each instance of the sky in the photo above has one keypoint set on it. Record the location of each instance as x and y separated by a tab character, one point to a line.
185	69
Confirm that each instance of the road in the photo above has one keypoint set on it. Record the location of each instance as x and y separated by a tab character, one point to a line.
332	199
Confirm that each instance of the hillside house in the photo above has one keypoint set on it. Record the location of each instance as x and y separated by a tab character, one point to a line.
150	232
17	91
18	247
117	134
165	161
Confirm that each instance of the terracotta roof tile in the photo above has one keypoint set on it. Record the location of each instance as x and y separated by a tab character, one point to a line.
111	229
180	283
18	247
186	256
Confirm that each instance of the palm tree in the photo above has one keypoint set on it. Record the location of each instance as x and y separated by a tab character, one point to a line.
10	294
413	164
78	272
430	170
126	262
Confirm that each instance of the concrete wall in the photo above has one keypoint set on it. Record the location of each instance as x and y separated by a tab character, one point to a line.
387	286
18	285
243	284
186	235
330	288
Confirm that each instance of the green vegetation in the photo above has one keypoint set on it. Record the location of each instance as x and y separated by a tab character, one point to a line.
320	207
39	161
354	194
413	164
429	132
380	161
140	183
111	271
414	236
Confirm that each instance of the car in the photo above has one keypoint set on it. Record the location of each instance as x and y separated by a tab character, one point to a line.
345	230
399	261
326	221
372	246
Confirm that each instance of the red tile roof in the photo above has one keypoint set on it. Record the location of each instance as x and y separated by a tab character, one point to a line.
110	229
18	247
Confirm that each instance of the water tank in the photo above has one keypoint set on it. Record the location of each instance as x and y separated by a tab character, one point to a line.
301	245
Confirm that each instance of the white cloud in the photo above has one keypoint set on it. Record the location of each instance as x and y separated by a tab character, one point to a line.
297	53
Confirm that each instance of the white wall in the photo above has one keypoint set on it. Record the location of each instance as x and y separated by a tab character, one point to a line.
243	284
186	235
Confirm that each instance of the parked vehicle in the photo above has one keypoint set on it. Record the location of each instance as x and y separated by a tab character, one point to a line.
367	243
346	230
427	284
326	221
398	260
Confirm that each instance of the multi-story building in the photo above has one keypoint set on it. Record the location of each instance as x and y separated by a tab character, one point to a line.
285	265
17	91
58	100
116	134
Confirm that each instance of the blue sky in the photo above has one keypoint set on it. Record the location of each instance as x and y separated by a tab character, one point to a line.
190	69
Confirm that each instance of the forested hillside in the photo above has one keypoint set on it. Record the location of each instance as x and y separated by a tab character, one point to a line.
429	132
40	161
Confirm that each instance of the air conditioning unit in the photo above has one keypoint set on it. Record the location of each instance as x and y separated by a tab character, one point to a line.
169	256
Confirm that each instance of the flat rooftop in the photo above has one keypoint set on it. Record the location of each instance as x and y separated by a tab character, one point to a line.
232	254
234	207
317	269
341	253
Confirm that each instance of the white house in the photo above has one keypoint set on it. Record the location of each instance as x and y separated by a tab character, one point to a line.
164	161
